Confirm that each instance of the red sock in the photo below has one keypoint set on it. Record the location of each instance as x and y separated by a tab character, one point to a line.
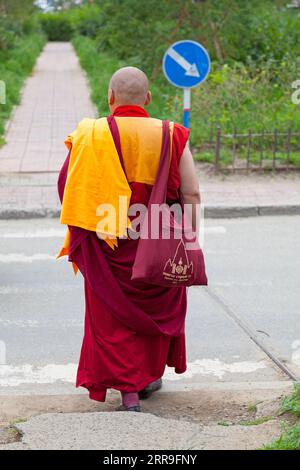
130	399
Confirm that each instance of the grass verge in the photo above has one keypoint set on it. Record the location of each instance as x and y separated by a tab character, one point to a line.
15	65
99	68
290	437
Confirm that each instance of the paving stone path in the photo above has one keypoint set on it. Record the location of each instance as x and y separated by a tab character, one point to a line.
55	98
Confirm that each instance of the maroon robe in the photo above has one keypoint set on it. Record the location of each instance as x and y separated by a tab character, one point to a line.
132	329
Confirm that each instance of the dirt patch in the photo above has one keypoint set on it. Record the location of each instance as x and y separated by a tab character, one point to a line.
9	434
221	408
214	407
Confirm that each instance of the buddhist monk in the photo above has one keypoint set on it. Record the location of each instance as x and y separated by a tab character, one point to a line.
133	329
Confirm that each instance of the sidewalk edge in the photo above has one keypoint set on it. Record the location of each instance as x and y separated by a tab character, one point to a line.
210	211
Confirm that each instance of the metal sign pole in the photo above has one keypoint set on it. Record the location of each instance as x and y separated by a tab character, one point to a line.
186	106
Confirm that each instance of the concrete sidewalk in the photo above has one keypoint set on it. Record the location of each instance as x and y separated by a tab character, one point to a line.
209	418
136	431
236	416
246	195
31	195
55	99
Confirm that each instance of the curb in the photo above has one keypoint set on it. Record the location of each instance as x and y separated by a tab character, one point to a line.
210	212
16	214
219	211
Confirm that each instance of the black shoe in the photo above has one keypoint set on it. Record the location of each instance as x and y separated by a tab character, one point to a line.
147	391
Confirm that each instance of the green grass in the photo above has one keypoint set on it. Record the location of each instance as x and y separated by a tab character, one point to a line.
291	404
225	423
15	65
289	440
99	69
226	157
252	408
256	422
18	421
290	437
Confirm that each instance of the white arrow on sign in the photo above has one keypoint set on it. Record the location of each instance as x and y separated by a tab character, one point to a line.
190	69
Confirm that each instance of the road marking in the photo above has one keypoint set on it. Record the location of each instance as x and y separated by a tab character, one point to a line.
61	322
43	233
19	323
190	69
22	258
12	376
39	288
216	368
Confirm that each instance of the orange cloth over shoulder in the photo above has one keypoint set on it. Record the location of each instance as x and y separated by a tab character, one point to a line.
96	178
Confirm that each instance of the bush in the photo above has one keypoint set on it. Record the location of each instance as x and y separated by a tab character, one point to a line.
6	38
56	26
86	21
62	26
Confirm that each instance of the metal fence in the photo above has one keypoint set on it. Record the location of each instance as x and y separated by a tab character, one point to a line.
263	151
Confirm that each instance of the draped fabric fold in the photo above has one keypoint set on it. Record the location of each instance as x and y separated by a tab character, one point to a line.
144	308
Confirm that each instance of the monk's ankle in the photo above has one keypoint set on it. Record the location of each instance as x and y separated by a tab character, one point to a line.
130	399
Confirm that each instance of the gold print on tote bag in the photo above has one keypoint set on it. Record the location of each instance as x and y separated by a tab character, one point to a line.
179	269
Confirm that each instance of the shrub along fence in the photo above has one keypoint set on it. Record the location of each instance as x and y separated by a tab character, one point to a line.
256	151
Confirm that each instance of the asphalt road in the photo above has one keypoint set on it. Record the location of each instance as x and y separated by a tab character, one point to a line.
253	266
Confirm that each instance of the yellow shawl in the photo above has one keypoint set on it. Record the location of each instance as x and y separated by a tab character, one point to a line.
95	175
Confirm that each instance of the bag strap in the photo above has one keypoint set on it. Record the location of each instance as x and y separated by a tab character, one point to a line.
116	137
159	190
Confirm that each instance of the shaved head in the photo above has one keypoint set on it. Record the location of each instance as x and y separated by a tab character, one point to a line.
128	85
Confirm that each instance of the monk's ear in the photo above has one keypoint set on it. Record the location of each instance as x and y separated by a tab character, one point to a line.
148	98
111	96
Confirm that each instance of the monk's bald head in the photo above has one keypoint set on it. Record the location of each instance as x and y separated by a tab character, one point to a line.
129	85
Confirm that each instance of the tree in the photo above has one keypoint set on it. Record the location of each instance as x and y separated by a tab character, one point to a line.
16	8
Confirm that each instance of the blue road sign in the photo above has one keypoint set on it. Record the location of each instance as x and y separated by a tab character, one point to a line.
186	64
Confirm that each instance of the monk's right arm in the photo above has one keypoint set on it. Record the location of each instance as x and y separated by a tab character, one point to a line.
189	185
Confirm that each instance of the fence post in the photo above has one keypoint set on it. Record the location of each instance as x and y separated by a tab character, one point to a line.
248	149
234	148
288	148
275	148
261	156
218	149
